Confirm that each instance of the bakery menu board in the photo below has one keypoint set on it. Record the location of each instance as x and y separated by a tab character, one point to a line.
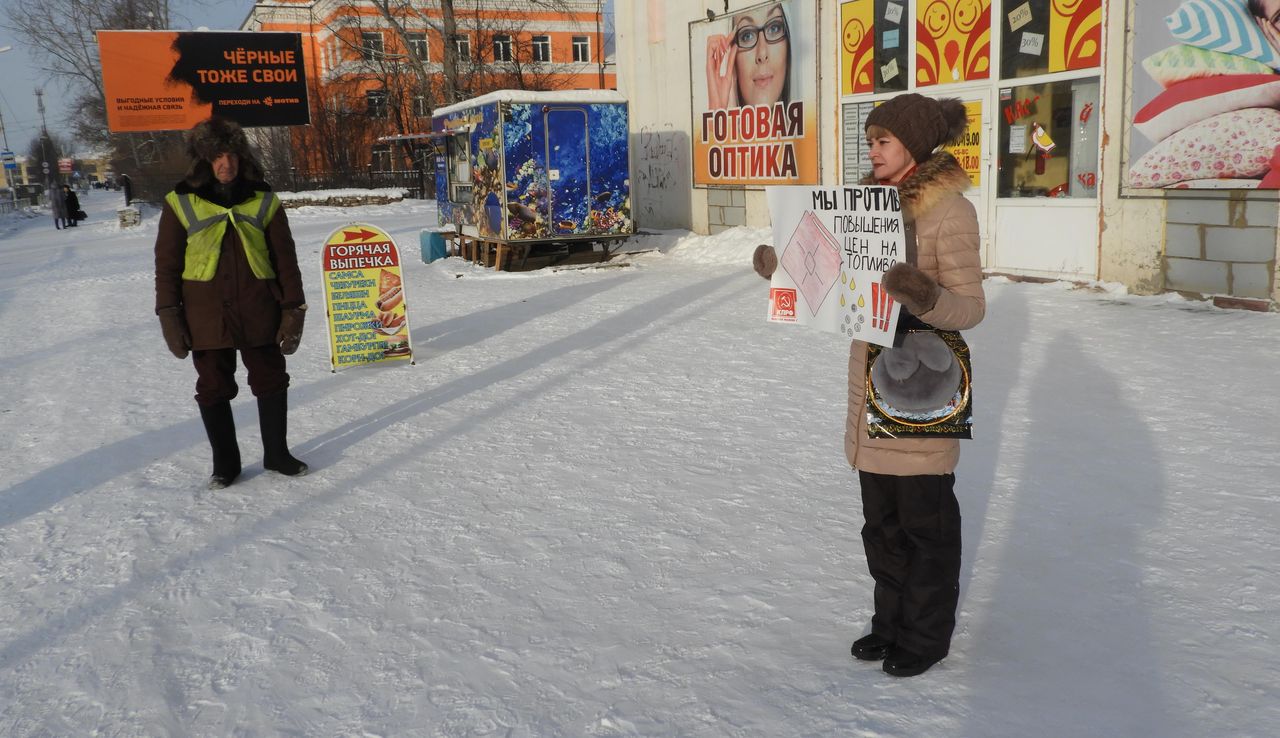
364	298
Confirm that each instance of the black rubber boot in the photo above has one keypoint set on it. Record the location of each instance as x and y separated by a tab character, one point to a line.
220	425
273	418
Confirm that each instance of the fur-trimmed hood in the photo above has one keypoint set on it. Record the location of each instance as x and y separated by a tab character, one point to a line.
938	177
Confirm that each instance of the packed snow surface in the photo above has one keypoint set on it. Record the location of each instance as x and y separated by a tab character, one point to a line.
614	502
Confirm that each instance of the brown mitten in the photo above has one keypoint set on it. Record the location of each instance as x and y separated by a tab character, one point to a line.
290	333
764	260
176	335
917	291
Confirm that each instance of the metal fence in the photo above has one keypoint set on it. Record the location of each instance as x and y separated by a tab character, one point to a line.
421	184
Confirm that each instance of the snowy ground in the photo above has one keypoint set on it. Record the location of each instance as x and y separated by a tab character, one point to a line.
613	502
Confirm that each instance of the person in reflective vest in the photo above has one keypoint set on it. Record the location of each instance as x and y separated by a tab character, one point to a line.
227	281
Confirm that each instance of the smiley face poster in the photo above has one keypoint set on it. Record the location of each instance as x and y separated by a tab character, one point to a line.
953	41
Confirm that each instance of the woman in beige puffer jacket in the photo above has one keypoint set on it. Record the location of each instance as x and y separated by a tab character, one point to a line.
911	531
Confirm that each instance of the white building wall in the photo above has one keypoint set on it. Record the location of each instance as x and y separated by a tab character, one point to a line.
1131	233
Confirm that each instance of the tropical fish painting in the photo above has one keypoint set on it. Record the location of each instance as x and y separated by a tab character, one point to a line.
541	169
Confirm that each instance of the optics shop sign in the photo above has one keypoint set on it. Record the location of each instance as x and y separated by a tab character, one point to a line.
368	318
170	80
755	96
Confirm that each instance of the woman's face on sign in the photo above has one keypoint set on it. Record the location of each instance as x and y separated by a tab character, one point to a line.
764	48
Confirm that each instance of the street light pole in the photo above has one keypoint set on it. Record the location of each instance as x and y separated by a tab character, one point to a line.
600	40
8	178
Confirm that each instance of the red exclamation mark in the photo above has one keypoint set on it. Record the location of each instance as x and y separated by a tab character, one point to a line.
881	307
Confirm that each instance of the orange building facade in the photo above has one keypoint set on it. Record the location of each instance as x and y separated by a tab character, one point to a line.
374	81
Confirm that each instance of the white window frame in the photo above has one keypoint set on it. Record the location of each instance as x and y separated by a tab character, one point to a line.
581	43
502	47
381	152
462	42
372	51
541	48
418	41
373	110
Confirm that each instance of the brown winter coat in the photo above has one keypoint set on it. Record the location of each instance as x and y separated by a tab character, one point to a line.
235	309
947	249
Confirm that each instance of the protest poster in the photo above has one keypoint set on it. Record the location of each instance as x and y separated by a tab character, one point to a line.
171	80
834	245
368	318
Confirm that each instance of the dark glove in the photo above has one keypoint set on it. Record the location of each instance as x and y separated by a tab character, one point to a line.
764	260
917	291
176	335
290	333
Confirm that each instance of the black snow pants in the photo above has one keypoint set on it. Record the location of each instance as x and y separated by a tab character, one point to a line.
912	540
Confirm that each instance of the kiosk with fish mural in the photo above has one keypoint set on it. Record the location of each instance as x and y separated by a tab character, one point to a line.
531	168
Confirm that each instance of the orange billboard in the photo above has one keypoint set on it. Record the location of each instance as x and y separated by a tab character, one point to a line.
171	80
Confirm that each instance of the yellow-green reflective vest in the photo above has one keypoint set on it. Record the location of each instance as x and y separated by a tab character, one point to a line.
206	224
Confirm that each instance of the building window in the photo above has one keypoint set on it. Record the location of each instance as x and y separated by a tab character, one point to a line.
542	48
376	103
371	45
420	108
380	160
418	44
463	45
582	48
1048	140
1030	44
892	40
502	47
458	154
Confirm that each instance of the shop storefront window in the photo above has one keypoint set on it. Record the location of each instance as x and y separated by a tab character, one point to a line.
893	36
1048	143
876	39
1043	36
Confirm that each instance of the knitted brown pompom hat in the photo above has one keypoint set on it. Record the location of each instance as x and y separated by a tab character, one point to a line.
921	123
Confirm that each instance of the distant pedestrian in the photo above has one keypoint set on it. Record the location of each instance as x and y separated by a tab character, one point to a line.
58	204
74	214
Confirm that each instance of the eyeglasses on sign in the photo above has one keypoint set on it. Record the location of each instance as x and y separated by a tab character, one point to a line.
746	37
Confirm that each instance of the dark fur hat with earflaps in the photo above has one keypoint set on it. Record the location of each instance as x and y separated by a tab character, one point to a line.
209	139
921	123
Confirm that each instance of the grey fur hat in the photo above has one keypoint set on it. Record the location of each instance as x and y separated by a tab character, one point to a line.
920	377
209	139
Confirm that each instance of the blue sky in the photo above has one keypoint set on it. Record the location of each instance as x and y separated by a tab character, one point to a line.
20	74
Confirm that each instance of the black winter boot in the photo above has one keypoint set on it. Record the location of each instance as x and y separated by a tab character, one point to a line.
220	425
273	418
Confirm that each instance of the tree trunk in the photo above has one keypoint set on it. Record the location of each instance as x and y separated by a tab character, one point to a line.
450	52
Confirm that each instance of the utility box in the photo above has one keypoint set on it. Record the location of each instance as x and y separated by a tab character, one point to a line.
129	217
518	166
433	245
